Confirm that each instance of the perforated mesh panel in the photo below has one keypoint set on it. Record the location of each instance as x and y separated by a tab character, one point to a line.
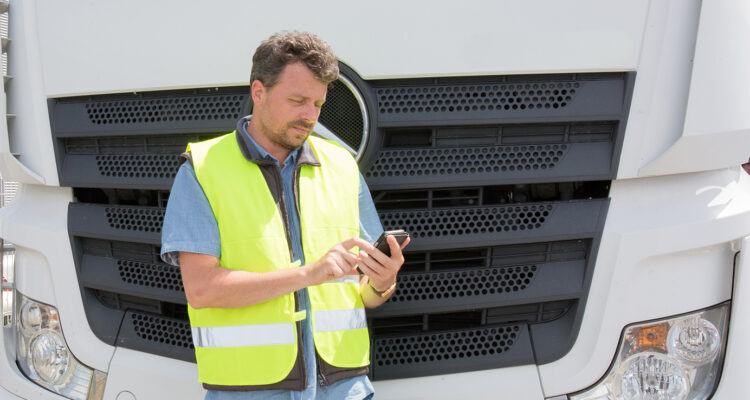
195	108
467	283
466	221
139	166
341	113
162	330
458	98
160	276
135	219
466	160
444	346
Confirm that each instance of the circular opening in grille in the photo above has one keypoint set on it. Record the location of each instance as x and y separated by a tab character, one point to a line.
345	114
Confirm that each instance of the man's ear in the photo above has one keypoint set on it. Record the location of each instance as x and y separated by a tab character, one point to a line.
257	92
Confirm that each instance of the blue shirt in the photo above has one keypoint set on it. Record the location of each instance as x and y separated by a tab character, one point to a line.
190	226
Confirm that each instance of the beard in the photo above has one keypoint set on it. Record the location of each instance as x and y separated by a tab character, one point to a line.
288	137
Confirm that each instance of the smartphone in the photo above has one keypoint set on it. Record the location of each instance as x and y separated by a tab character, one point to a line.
382	244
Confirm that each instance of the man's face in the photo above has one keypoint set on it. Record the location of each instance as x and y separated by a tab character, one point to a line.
287	111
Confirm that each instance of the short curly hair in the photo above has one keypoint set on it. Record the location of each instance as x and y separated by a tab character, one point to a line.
288	47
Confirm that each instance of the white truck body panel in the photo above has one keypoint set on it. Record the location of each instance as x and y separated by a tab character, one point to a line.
733	384
144	45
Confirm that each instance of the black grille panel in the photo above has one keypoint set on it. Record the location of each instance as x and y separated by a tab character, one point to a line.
125	223
453	156
425	102
455	227
502	182
149	162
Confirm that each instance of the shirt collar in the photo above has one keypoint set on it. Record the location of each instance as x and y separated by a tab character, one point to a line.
253	152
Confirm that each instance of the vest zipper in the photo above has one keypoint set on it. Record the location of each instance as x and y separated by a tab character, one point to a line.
282	210
321	378
300	344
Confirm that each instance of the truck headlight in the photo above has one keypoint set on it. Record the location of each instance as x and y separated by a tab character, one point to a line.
676	358
45	358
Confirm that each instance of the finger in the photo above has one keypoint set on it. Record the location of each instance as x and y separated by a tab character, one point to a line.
341	262
395	248
352	242
369	266
370	273
382	276
349	258
378	255
370	262
406	242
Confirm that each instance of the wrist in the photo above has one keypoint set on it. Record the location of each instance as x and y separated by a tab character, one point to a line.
308	275
386	290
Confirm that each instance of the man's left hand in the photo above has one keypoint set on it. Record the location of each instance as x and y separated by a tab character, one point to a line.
379	268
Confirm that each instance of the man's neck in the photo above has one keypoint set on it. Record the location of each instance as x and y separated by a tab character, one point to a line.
280	153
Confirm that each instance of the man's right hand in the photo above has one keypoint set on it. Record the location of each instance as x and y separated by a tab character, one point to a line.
207	284
337	262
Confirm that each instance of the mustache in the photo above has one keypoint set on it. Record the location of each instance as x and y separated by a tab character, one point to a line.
302	124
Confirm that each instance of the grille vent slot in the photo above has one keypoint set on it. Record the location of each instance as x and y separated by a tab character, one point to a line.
467	283
135	219
196	108
436	347
448	351
160	276
139	166
472	160
458	98
162	330
451	222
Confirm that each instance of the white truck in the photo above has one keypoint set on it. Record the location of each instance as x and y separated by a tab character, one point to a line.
570	173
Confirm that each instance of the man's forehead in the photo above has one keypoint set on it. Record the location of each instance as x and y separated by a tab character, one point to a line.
298	80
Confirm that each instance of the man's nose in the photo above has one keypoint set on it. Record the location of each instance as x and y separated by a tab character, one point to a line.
310	113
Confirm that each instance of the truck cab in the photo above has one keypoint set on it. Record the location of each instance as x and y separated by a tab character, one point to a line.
570	175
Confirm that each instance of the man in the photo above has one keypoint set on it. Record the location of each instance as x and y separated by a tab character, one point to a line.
262	223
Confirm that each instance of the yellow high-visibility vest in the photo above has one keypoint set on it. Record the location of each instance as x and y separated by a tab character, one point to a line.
257	345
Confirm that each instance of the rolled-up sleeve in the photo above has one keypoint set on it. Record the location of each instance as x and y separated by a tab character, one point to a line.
370	227
189	222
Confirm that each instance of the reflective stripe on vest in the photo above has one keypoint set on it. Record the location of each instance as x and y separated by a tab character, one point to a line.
244	335
346	279
340	320
257	345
